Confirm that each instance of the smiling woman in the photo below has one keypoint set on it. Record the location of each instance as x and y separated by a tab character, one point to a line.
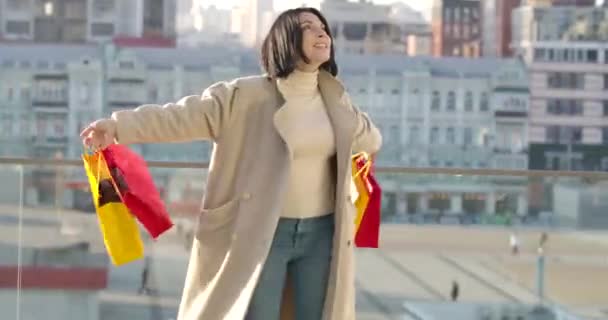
275	235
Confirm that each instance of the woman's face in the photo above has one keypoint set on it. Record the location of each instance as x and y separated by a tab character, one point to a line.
316	44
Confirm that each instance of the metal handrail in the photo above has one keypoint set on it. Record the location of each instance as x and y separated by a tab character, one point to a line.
595	175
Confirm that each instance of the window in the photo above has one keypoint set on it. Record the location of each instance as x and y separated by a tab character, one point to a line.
414	137
394	134
85	92
102	29
604	164
457	14
153	94
474	30
16	4
605	105
451	103
552	134
566	80
605	135
25	64
18	27
447	15
465	15
450	136
436	101
126	65
434	138
25	93
10	94
592	56
484	104
468	101
468	136
103	7
8	63
606	81
485	139
564	134
564	107
43	65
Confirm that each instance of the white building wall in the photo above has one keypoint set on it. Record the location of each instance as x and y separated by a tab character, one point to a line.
50	304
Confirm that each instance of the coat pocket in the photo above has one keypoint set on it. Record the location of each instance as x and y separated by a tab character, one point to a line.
215	219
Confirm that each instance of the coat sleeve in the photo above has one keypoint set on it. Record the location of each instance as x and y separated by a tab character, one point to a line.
196	117
367	136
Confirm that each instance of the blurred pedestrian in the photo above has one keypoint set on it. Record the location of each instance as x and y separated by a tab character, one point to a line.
455	291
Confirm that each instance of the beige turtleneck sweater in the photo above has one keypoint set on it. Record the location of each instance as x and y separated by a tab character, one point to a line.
311	187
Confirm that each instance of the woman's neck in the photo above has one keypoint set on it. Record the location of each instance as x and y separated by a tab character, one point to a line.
299	83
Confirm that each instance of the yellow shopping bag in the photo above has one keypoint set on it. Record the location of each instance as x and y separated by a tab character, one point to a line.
118	226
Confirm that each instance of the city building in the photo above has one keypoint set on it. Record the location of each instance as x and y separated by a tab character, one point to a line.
456	28
256	18
569	105
535	22
435	112
200	26
79	21
47	99
419	45
445	112
496	31
363	27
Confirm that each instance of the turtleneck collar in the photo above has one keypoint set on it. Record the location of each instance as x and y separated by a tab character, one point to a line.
299	83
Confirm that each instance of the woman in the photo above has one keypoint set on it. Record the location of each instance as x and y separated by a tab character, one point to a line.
275	233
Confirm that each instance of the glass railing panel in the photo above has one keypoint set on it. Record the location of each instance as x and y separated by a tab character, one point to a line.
478	229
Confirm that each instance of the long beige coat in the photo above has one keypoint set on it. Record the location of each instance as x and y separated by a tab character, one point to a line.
247	178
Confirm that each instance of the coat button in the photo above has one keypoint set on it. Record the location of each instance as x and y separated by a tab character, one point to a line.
246	196
349	243
349	198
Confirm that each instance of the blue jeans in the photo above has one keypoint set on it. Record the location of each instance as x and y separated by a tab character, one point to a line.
301	249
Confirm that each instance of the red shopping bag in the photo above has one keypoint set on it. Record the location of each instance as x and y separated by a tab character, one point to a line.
368	203
137	188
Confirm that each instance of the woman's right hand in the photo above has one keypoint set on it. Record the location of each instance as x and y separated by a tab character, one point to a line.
99	134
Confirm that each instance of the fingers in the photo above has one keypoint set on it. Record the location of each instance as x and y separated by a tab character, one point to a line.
98	135
93	136
87	131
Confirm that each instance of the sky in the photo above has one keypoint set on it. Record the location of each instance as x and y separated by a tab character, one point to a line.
423	6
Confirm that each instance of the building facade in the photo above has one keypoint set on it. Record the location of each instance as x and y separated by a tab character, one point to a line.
496	32
256	18
366	28
569	104
456	28
445	112
433	112
535	22
78	21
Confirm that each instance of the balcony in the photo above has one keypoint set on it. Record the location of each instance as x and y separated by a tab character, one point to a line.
41	141
49	230
512	161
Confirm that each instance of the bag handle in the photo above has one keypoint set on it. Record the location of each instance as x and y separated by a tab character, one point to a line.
100	157
366	166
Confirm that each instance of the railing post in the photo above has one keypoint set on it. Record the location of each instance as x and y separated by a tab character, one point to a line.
540	276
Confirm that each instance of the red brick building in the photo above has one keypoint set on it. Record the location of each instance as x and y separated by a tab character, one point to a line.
456	26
